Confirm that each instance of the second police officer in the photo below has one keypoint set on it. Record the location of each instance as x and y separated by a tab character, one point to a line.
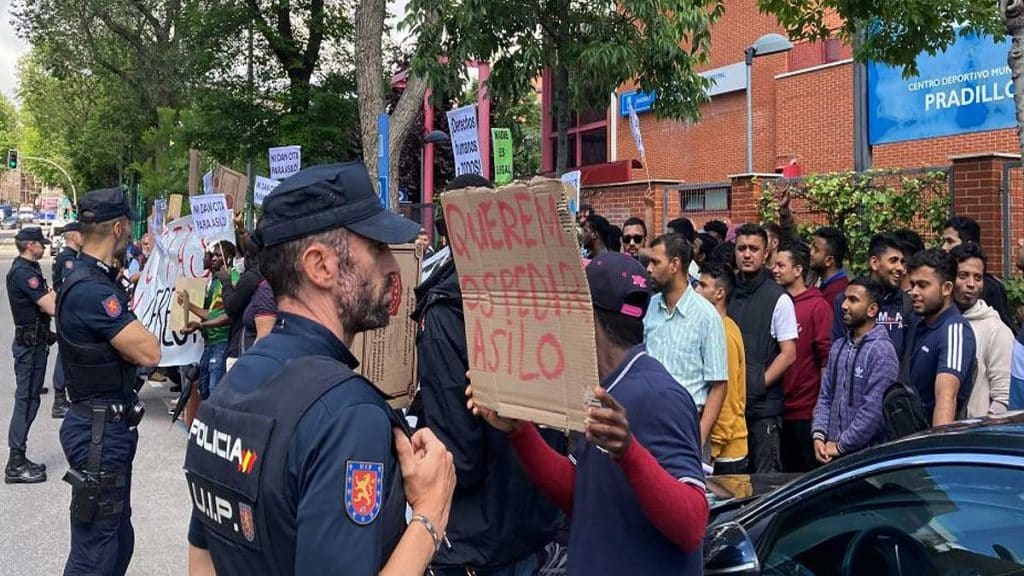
31	306
295	464
101	346
63	264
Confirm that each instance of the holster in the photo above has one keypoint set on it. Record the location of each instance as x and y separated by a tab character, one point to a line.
87	485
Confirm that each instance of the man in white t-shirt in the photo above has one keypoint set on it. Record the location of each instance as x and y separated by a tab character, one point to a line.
766	316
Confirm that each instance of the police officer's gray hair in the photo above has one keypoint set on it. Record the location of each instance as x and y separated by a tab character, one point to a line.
22	245
280	264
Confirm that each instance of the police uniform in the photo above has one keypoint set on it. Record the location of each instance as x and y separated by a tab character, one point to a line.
25	287
99	435
290	463
63	264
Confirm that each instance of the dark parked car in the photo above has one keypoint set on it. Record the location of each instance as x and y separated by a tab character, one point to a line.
946	502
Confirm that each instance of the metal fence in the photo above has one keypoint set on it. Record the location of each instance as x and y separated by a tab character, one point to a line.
1012	201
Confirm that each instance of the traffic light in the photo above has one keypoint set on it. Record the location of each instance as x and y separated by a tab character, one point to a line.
12	159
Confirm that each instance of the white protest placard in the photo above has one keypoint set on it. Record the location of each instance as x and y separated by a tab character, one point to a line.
572	179
261	188
181	257
634	127
465	140
285	161
212	218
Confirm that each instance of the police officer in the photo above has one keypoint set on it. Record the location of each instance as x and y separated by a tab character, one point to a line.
295	464
63	264
101	345
32	305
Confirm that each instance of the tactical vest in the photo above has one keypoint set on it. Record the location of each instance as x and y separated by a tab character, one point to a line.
60	269
236	467
23	308
92	370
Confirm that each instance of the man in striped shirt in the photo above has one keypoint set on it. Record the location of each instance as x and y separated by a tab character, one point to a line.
684	332
942	356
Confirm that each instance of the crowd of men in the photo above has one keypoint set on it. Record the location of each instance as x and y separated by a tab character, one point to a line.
725	349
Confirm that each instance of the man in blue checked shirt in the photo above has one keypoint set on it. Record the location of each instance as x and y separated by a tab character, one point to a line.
684	332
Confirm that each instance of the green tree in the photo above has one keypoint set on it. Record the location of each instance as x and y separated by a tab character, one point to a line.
591	48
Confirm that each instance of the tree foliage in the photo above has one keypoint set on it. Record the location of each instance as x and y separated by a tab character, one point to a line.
591	49
893	32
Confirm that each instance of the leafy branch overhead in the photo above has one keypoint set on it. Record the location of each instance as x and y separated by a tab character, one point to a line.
893	32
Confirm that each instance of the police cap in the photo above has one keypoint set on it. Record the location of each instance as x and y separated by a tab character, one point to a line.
71	227
322	198
30	234
104	205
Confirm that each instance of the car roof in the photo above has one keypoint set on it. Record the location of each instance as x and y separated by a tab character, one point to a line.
1002	435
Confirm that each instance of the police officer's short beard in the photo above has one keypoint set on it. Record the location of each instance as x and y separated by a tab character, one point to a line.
360	307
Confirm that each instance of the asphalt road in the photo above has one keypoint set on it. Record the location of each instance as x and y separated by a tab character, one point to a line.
34	526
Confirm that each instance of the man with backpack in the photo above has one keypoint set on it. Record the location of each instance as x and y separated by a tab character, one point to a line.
941	361
861	366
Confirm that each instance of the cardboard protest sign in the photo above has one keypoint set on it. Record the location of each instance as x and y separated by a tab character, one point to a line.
285	161
572	180
465	140
212	218
529	319
174	204
262	188
196	289
233	185
179	255
387	356
502	138
193	172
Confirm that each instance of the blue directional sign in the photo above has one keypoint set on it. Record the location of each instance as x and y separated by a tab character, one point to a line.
967	88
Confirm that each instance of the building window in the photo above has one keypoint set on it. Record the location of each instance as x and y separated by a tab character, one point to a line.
705	198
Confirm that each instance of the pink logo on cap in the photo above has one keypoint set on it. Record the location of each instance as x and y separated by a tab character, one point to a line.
630	310
639	280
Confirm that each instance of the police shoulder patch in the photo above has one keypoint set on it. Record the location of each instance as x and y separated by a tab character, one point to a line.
69	264
112	306
363	495
33	282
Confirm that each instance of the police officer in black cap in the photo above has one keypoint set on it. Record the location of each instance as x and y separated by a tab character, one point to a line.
63	264
32	304
297	465
101	346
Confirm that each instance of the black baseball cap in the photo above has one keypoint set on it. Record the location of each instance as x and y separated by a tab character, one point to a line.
71	227
104	205
618	283
322	198
30	234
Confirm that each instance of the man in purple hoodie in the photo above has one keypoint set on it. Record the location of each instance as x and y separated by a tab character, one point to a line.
861	366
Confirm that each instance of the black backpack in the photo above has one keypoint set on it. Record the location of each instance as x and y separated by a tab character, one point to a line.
902	411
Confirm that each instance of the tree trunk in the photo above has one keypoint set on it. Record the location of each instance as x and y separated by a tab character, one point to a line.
560	102
403	118
370	76
1013	13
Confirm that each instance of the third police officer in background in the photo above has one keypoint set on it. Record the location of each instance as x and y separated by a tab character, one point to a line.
101	345
63	264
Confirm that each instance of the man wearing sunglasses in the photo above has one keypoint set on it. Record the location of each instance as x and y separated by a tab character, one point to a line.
634	239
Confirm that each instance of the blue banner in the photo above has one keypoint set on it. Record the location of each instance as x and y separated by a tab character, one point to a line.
383	157
967	88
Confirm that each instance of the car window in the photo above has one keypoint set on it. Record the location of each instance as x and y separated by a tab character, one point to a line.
940	519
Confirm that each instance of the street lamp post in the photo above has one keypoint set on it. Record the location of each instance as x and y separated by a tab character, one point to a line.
74	193
765	45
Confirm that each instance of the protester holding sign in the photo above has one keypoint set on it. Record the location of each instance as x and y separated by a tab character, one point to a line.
498	521
644	473
215	323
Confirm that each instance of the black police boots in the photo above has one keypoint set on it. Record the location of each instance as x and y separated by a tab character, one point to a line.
21	470
60	405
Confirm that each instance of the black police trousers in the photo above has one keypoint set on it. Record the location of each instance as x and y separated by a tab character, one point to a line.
30	372
105	545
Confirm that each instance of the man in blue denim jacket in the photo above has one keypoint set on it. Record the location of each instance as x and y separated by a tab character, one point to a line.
861	366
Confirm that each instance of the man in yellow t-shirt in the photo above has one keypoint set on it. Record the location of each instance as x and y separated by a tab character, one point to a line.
729	435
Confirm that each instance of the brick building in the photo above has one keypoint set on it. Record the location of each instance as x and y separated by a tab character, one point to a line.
802	110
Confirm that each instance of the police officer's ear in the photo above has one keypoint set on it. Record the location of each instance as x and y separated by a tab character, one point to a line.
320	264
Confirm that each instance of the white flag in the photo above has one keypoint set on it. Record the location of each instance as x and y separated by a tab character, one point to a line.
634	126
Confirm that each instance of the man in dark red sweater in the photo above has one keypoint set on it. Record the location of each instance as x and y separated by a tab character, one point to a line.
802	381
635	491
